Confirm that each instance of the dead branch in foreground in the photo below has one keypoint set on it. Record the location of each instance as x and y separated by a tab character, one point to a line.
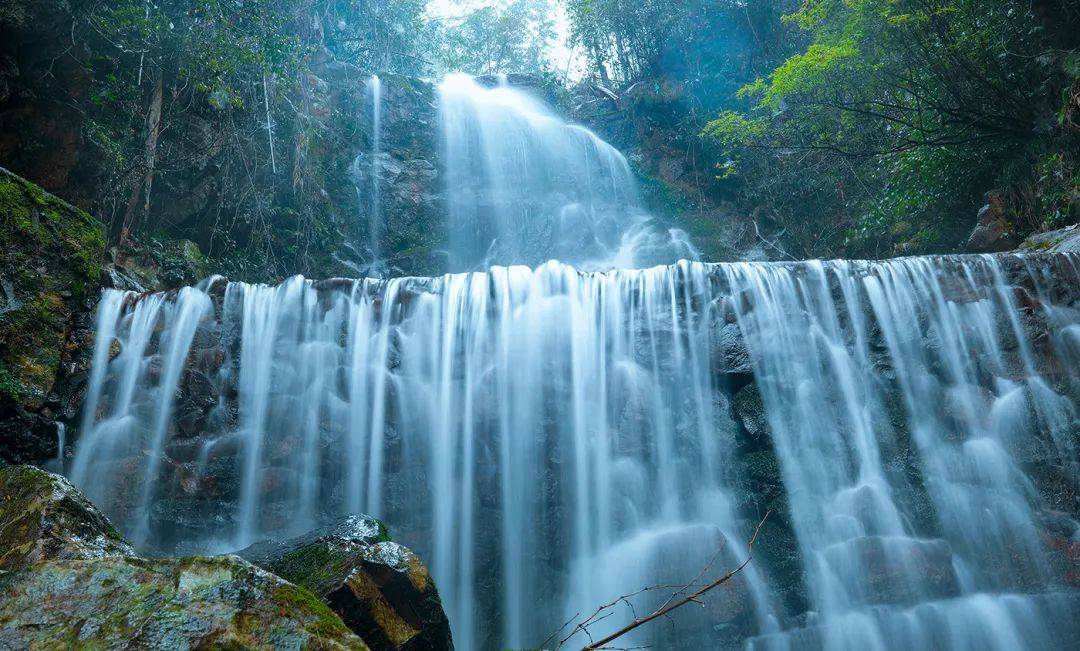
604	611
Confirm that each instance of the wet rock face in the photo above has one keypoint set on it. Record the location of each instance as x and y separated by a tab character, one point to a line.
379	588
406	174
43	517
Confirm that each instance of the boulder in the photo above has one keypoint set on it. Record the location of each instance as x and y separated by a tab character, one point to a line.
43	517
381	590
750	411
69	580
992	232
731	355
1064	240
187	603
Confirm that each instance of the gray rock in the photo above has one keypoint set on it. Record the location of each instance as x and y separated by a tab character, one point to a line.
188	603
43	517
1065	240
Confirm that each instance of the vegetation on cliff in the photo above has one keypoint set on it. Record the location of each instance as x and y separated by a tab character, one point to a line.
860	127
50	263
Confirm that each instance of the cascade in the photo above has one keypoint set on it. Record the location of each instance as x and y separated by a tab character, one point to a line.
366	174
550	439
524	187
374	201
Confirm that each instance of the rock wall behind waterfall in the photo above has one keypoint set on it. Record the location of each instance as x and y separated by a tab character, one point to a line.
550	439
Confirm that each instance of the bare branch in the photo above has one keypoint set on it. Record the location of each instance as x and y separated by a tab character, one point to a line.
604	611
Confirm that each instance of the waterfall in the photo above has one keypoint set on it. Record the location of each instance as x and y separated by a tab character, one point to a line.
366	174
549	439
374	202
525	187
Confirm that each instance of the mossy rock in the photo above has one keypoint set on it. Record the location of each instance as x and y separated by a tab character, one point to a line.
43	517
381	590
185	603
68	580
50	264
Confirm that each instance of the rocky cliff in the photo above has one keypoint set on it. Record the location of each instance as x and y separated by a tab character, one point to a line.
51	260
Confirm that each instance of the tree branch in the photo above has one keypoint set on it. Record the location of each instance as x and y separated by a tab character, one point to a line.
665	608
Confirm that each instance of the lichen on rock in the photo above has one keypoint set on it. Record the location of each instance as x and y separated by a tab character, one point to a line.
381	590
43	517
220	602
69	580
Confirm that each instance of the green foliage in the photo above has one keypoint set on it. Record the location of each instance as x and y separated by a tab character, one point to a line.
805	73
904	112
859	127
512	37
11	389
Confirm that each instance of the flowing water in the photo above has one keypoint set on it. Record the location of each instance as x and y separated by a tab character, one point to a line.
366	173
524	187
549	439
375	191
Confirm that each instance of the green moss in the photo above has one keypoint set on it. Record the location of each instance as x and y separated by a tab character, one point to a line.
314	567
11	389
326	624
53	262
14	207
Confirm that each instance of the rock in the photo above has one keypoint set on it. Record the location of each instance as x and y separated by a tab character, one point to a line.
50	269
895	569
751	413
186	603
993	232
731	351
670	170
70	580
1065	240
380	589
43	517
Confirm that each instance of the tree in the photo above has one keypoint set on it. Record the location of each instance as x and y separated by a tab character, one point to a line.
897	115
514	37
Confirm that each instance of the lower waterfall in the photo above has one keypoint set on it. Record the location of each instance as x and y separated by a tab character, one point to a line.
549	439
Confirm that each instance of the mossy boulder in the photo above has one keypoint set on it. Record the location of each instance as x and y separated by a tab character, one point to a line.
186	603
381	590
43	517
68	580
51	257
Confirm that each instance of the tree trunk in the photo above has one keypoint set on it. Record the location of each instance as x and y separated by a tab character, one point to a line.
140	194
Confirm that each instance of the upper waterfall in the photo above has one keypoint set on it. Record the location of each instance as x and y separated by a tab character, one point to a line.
524	187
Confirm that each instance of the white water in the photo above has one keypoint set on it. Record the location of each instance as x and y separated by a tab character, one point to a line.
524	187
550	439
367	174
375	192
